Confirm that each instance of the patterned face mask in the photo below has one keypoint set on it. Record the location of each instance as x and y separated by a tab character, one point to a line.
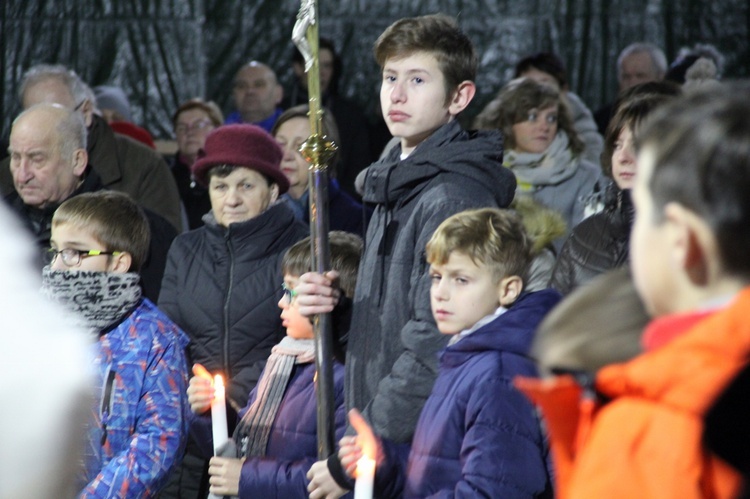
98	299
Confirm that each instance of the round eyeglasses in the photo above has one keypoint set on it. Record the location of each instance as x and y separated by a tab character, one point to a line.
288	292
196	126
72	257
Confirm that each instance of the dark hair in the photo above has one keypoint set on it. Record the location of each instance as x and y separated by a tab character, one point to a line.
113	219
436	34
324	43
546	62
701	151
330	129
513	103
208	107
630	113
346	250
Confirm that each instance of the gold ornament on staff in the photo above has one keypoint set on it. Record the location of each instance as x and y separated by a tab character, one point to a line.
318	151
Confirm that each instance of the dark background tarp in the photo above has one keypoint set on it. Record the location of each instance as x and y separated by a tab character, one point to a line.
162	52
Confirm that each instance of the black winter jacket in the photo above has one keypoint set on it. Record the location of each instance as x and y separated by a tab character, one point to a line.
391	361
222	286
597	244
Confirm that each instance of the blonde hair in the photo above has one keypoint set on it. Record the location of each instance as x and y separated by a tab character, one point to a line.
491	237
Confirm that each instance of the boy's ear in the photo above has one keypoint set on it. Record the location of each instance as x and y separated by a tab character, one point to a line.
121	263
462	97
693	244
509	290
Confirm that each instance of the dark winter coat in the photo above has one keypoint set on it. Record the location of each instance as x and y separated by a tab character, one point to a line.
597	244
344	212
477	435
222	286
292	443
194	197
392	352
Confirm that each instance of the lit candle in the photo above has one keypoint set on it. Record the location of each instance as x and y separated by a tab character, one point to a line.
365	478
219	414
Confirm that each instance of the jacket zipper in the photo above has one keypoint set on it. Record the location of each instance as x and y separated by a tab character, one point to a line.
225	339
106	407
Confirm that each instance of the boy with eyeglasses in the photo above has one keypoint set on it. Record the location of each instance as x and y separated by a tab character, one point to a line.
275	442
139	423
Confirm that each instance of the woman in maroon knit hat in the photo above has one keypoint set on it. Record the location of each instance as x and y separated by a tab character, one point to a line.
223	280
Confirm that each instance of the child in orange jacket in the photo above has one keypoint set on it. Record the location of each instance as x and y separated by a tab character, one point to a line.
637	431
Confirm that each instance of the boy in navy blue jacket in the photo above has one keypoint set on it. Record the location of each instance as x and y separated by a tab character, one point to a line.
477	435
276	439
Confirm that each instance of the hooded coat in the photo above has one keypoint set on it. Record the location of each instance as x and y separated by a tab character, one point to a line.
393	345
646	439
478	436
222	285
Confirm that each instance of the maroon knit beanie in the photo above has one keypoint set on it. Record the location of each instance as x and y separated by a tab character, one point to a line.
243	145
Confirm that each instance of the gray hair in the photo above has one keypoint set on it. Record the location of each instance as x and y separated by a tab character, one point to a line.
70	129
42	72
658	59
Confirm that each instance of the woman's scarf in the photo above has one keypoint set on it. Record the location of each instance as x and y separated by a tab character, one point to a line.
253	430
98	299
555	165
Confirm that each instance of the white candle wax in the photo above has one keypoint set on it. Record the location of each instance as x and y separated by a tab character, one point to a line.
219	414
365	478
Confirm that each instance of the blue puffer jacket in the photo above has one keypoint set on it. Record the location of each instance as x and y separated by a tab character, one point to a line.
142	413
477	435
292	444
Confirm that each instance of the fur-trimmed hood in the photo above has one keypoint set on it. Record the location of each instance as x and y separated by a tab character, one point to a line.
543	224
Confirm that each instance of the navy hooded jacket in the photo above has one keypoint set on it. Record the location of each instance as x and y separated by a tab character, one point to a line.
477	435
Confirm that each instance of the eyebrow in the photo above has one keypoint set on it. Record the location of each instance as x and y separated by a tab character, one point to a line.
408	71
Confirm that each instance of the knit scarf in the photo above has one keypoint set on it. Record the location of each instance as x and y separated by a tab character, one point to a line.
253	430
553	166
98	299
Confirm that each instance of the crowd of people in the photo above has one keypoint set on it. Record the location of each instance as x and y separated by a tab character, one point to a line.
549	304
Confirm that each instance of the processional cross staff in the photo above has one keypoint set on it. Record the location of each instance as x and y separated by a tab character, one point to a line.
318	151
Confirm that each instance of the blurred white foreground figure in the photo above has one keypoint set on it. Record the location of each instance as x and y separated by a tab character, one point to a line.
43	379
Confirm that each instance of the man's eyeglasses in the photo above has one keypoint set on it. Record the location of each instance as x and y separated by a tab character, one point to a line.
288	292
72	257
199	125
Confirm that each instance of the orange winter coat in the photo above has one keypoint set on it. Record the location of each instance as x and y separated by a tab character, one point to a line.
646	441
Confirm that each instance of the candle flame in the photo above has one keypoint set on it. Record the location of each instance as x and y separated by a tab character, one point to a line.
218	383
365	466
